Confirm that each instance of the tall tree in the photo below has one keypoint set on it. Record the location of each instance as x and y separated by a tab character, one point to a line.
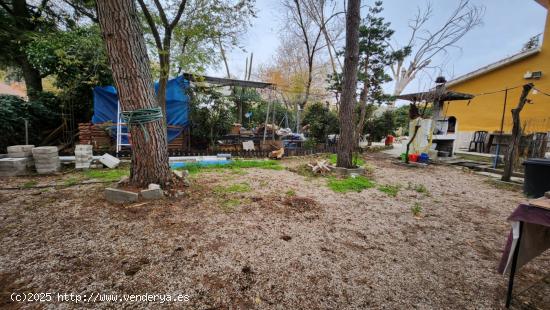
127	54
512	153
375	55
163	44
23	20
303	27
349	85
193	33
18	19
426	44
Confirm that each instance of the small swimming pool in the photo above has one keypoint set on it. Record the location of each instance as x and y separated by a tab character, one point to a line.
205	162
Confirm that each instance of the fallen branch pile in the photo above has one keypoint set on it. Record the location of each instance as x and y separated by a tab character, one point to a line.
320	167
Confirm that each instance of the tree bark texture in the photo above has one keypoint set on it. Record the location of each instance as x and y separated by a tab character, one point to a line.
363	111
512	151
24	21
349	84
121	29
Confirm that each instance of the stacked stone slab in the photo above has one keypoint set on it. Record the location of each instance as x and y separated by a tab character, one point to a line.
46	159
22	151
13	166
83	154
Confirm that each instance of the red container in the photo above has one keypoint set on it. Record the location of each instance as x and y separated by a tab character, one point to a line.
413	157
389	140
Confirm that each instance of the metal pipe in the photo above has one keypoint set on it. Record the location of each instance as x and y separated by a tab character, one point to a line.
495	161
26	132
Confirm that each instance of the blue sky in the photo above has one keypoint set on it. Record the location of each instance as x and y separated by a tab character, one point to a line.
507	25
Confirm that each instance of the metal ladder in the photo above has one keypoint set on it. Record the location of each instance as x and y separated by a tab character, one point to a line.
119	133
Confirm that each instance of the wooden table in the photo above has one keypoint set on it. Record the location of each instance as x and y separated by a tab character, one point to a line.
528	238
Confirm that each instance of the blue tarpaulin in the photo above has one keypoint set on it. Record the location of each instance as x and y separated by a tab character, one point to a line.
177	105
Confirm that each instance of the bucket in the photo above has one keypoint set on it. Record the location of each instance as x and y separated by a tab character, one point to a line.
424	158
389	140
413	158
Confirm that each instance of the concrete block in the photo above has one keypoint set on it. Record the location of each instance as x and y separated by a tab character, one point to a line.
47	162
20	148
120	196
153	186
151	193
53	165
109	160
20	154
13	166
83	148
45	156
44	150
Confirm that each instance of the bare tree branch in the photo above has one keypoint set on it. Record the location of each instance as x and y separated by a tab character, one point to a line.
151	24
426	45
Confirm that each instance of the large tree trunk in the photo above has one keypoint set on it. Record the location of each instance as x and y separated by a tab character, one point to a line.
164	73
516	134
363	111
349	85
32	77
121	29
24	21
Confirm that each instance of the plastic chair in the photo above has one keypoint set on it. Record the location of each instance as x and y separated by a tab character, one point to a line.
478	142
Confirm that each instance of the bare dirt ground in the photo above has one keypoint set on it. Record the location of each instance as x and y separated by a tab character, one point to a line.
276	240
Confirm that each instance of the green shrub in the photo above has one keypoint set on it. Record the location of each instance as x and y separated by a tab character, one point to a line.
42	115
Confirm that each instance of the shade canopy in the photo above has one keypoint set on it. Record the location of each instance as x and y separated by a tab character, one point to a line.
436	95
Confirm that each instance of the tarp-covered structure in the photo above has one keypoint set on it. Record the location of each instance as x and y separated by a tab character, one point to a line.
177	105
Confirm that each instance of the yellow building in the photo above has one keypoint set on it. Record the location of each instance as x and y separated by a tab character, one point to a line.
484	112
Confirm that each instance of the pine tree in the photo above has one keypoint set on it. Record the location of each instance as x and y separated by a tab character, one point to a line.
375	55
127	53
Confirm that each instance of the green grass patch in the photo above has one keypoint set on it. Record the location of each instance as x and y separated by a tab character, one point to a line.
106	174
230	204
390	190
290	193
30	184
509	186
70	181
416	209
356	159
356	184
236	165
419	188
232	189
477	158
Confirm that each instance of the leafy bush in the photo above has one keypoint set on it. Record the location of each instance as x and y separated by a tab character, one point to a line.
77	59
381	126
321	120
42	115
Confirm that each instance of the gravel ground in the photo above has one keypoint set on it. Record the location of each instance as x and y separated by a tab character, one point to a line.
277	240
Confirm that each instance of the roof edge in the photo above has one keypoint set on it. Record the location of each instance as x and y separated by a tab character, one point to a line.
494	66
